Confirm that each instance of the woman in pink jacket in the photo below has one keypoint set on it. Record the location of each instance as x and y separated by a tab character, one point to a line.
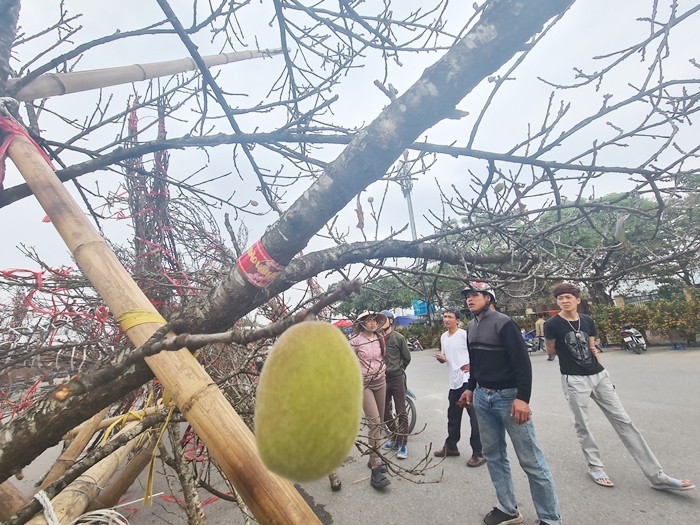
368	345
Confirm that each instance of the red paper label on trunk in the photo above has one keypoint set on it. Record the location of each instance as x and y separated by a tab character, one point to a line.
258	267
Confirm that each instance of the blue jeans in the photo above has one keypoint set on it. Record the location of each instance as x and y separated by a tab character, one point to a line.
493	410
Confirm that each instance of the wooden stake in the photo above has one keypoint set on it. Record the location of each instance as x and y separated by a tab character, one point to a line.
11	500
270	498
68	457
109	496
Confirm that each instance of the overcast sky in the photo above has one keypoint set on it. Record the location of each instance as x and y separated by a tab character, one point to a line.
590	28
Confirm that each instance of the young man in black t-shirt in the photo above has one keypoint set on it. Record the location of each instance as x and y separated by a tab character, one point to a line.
571	336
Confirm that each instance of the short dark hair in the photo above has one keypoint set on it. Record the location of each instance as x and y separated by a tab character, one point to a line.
563	288
454	311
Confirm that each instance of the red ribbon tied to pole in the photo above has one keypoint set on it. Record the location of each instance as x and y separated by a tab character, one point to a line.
9	129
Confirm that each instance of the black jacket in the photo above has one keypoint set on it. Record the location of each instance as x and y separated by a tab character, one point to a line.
498	355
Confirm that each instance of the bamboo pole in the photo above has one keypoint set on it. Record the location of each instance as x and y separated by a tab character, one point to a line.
131	416
68	457
11	500
52	84
270	498
72	501
109	496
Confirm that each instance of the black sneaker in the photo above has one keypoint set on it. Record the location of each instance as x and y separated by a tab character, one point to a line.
498	517
378	480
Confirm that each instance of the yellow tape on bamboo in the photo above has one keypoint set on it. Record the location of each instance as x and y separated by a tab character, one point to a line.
138	316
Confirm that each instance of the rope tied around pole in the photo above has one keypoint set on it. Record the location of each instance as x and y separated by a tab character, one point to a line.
101	517
49	513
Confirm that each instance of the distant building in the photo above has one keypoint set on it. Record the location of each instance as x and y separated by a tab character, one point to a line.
621	300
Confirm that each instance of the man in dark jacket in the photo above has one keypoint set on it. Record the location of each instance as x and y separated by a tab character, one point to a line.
499	388
397	357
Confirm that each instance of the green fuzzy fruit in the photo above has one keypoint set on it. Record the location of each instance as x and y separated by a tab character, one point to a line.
309	402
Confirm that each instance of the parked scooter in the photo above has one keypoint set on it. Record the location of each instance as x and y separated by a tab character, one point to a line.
632	339
411	413
531	342
414	344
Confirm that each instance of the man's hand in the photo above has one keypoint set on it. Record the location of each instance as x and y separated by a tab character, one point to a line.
550	347
465	400
464	368
520	412
441	357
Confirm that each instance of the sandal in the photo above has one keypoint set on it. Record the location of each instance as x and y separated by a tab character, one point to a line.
673	484
601	478
378	480
382	466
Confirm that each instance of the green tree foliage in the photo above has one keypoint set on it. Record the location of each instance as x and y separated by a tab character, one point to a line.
629	240
384	294
427	334
676	318
441	283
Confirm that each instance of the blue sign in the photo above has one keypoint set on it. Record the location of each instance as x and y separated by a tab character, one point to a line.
420	307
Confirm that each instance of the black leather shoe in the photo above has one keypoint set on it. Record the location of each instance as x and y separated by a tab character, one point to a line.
476	461
444	452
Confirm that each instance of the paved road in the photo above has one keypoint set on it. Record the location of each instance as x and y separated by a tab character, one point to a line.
660	390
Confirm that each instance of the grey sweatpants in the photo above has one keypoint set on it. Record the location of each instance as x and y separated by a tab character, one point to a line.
577	390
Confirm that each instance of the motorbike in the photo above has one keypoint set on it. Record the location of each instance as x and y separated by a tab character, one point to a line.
531	342
411	409
632	339
414	344
411	413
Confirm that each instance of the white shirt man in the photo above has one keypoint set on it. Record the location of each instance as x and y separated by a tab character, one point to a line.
455	353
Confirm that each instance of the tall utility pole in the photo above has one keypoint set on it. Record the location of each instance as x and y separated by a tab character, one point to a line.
406	184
